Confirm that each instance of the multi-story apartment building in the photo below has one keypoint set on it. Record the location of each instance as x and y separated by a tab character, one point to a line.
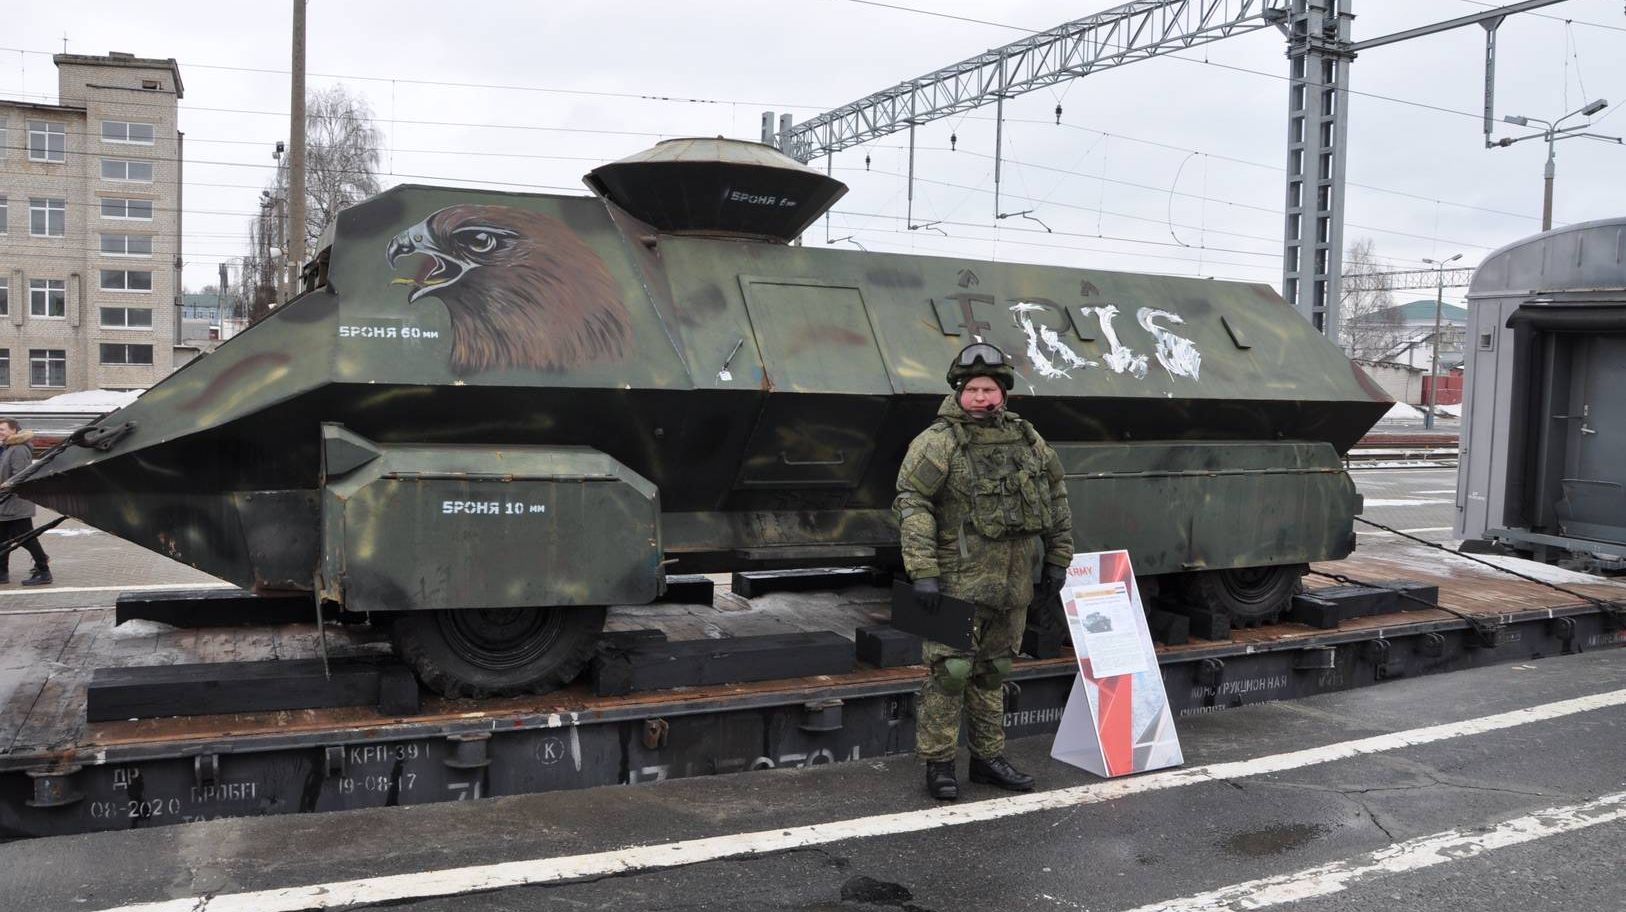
90	229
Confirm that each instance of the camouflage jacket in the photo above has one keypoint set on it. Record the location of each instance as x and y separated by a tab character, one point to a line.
976	502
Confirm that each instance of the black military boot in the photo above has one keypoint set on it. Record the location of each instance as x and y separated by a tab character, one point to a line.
998	771
40	577
940	781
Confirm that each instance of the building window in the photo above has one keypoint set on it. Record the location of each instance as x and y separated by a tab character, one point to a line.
126	280
5	367
123	169
151	84
47	142
118	131
48	298
126	318
47	217
47	367
133	209
121	353
4	208
127	245
5	297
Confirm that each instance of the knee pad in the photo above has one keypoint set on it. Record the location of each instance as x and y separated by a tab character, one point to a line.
952	674
992	673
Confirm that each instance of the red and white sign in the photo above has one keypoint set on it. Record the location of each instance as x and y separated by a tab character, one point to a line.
1117	719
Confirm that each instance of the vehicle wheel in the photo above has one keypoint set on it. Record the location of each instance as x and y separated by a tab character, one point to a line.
1249	595
497	651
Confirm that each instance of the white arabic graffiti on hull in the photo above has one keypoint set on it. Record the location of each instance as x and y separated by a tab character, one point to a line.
1053	358
1178	355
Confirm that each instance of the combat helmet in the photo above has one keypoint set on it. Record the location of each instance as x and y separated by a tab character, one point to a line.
980	359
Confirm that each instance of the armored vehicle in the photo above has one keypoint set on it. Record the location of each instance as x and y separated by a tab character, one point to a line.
488	416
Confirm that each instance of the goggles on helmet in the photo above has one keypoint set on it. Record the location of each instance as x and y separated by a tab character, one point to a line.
987	355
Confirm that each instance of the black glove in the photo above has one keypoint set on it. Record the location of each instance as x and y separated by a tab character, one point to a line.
1051	582
928	595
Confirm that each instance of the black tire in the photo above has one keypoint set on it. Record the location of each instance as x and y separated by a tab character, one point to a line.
1250	596
497	651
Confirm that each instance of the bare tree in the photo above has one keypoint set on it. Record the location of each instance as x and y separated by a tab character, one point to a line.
1371	327
341	158
341	168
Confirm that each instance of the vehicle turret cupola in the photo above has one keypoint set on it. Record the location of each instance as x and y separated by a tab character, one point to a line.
718	187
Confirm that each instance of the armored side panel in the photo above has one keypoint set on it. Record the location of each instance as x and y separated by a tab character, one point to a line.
1183	506
423	527
1544	416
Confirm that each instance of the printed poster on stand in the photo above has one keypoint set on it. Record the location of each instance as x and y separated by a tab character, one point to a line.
1117	719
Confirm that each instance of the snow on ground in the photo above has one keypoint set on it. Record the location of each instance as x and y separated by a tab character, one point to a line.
93	401
1400	411
1544	572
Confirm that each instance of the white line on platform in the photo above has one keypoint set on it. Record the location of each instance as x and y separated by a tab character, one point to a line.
1405	502
1400	858
1440	491
149	587
476	878
1429	529
8	612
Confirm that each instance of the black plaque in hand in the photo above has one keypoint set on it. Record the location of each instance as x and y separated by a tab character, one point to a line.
950	624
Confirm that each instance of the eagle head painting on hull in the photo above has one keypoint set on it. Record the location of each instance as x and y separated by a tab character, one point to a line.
521	289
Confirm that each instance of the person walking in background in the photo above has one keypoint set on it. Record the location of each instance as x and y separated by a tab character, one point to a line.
16	514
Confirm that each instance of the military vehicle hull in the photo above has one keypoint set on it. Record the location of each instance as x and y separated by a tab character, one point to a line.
496	403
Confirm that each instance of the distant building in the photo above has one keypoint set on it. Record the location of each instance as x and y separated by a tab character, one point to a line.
90	229
1415	325
206	321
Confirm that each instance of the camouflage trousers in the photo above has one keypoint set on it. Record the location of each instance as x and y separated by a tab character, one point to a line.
969	684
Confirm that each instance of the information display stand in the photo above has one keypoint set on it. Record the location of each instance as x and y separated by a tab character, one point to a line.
1117	719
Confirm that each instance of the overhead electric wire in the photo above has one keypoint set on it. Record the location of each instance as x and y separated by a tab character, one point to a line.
1596	25
1161	221
441	83
588	158
608	132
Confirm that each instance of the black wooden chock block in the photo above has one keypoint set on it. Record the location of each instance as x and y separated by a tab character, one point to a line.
689	589
655	665
752	583
1208	625
1317	612
1169	628
885	646
157	691
1326	607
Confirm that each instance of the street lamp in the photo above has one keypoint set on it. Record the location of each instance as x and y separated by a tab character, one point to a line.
1552	134
1434	357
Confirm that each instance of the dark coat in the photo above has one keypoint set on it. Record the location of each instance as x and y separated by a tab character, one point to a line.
15	457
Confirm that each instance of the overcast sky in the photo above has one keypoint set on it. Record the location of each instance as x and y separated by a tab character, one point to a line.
1171	165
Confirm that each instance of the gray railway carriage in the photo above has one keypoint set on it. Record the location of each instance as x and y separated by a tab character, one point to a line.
1543	467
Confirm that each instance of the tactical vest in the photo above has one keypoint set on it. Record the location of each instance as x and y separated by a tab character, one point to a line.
1010	496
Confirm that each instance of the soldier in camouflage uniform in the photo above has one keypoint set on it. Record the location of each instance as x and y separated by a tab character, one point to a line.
980	498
